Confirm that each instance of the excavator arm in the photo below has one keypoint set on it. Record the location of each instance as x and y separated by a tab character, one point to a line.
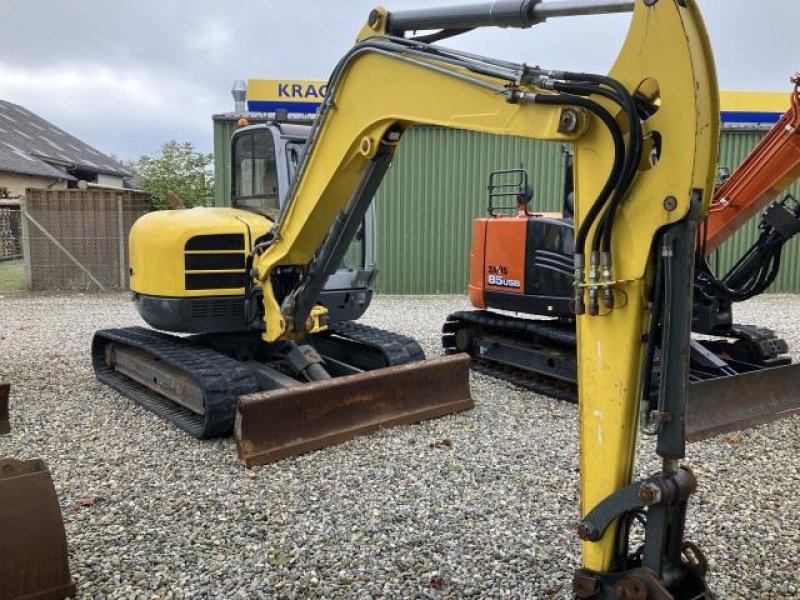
643	179
772	166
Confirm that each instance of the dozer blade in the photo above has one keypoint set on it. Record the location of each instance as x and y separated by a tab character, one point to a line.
33	545
5	425
726	404
276	424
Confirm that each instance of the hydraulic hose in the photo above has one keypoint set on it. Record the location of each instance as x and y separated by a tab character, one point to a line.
636	145
656	302
587	84
597	206
586	89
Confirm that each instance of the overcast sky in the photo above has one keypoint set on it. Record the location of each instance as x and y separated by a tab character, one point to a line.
126	76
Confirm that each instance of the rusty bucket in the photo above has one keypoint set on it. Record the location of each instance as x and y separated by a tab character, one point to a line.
33	544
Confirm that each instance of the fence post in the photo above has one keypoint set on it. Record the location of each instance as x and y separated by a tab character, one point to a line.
26	240
123	271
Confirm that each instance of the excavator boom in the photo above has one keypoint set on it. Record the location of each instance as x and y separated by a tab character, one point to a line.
636	230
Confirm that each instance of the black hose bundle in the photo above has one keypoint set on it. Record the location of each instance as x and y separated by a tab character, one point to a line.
573	87
757	269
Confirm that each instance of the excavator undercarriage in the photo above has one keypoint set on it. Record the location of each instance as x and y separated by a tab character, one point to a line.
196	382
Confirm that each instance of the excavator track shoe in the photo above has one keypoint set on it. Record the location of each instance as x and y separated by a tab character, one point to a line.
273	425
195	387
33	544
726	404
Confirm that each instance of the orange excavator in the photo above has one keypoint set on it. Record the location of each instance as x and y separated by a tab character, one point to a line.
522	261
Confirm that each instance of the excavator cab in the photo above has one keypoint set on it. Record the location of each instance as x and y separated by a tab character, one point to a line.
264	159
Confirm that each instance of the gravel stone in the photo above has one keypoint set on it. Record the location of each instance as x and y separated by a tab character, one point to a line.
153	513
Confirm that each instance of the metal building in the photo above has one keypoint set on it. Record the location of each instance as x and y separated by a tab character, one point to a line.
437	185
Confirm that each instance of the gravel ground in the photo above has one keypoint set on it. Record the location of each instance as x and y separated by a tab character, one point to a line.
393	515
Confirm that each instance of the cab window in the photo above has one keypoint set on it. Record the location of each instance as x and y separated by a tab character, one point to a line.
255	181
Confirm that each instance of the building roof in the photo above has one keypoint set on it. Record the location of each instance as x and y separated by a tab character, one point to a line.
33	146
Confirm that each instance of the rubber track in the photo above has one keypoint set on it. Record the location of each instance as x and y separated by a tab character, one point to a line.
498	323
564	335
397	349
221	379
549	330
539	384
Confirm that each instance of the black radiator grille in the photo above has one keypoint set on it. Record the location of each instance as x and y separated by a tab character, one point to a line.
218	307
214	281
219	241
214	262
206	255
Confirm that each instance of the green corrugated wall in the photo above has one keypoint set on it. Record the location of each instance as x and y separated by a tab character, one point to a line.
735	146
434	188
437	185
223	132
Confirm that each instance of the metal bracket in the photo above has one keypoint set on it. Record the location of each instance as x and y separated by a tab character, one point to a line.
636	584
302	357
659	490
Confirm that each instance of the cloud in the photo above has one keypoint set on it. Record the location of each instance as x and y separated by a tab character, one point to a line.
127	76
127	114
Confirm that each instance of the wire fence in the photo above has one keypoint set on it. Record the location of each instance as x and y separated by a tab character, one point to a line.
10	233
78	239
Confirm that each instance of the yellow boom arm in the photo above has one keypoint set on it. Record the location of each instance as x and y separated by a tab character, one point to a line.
385	85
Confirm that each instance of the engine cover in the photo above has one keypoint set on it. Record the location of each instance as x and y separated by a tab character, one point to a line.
523	263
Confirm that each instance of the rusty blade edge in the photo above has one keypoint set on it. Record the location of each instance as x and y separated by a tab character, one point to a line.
274	425
5	424
254	458
733	403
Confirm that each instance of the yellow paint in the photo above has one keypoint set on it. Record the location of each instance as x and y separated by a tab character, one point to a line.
158	240
773	102
688	120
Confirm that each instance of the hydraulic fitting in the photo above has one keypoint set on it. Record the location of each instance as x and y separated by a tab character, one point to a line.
594	306
580	306
608	292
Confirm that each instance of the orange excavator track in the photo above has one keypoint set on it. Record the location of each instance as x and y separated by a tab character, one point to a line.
769	169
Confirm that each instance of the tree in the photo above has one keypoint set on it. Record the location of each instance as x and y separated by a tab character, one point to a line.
177	170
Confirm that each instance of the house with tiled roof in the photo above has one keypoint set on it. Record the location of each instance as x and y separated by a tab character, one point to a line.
34	153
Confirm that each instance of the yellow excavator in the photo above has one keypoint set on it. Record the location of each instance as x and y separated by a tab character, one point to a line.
642	183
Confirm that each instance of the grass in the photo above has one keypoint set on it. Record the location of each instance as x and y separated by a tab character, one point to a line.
12	276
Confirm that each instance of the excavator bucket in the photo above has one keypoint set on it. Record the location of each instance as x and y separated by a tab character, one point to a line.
33	545
726	404
276	424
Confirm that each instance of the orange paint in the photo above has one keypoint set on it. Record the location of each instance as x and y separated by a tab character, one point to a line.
766	172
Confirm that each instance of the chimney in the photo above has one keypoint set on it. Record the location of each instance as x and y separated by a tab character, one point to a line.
239	93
